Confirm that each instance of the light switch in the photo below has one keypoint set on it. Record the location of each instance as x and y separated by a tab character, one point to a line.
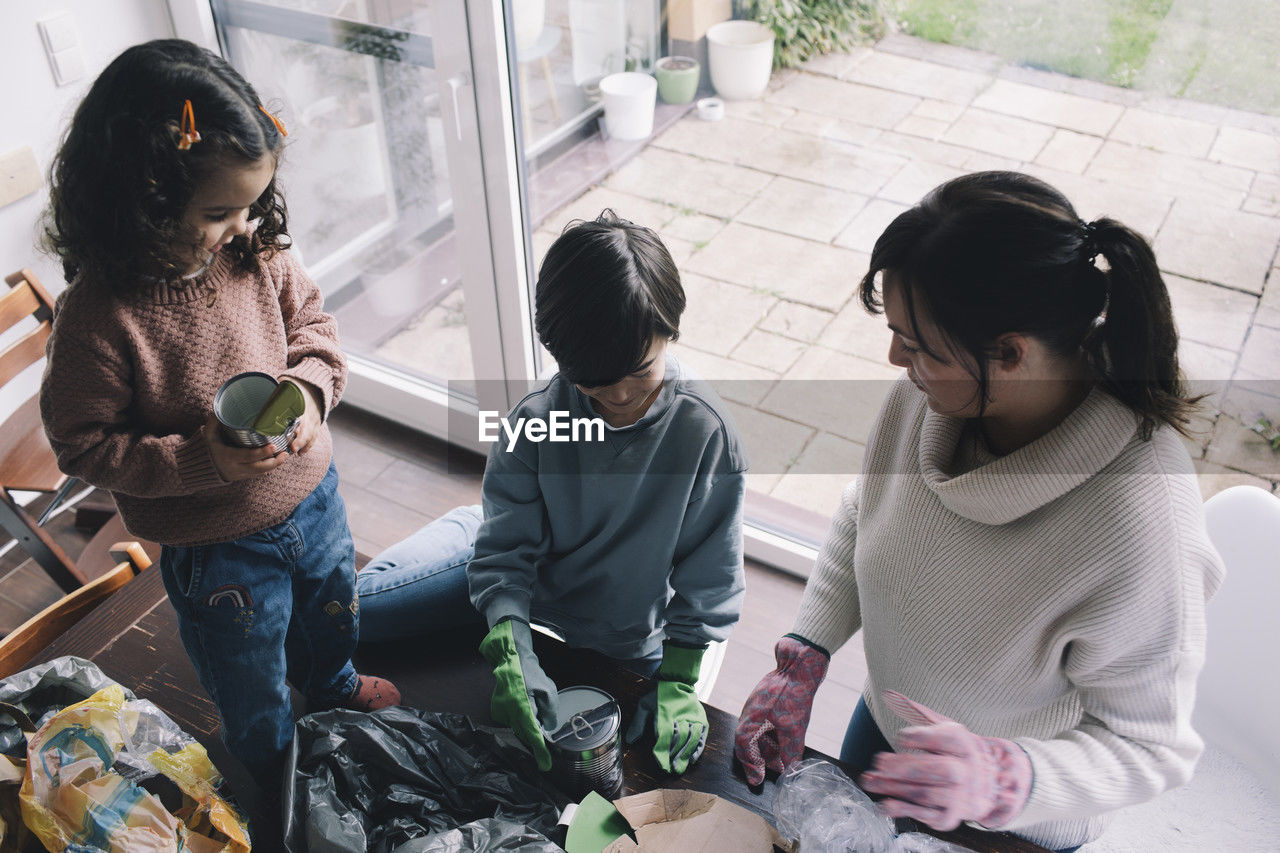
68	65
19	174
58	32
62	45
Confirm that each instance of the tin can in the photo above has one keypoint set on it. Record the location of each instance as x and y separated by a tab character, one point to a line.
236	405
586	751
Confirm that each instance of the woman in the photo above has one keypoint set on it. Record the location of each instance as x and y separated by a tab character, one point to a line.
1025	552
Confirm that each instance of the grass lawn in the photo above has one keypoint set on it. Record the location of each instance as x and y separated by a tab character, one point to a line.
1224	52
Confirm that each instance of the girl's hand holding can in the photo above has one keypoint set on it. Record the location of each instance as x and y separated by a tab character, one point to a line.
239	463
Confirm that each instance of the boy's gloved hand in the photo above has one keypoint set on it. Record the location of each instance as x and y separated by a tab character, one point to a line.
960	775
524	698
776	715
679	720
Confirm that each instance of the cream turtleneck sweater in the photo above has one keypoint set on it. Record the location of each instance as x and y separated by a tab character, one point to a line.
1054	596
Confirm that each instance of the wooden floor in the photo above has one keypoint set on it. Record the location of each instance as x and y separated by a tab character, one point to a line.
394	480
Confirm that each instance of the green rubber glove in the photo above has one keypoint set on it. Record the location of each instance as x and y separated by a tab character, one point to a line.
523	698
679	720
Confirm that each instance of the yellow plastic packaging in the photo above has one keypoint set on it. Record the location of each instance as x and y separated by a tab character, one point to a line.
86	771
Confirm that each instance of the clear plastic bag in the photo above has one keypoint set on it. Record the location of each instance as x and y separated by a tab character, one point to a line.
42	691
819	805
918	842
114	774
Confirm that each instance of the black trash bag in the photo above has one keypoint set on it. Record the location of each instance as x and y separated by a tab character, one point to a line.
379	781
42	691
487	835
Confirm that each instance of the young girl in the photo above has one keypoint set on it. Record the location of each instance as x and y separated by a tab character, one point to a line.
1025	551
171	230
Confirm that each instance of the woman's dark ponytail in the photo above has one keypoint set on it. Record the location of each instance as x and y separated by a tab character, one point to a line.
995	252
1138	332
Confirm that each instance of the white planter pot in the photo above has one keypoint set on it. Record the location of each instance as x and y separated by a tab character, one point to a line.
740	54
530	18
629	99
345	147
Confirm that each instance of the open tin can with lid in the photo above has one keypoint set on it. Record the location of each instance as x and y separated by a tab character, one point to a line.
238	404
586	750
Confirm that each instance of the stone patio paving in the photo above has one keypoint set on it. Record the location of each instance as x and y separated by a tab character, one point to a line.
771	212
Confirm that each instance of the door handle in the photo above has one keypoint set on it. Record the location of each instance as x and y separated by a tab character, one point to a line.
456	83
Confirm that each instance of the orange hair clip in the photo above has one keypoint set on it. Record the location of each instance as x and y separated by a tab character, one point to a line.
187	133
277	122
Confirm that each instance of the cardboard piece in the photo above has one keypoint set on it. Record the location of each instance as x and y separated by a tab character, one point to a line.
689	20
693	822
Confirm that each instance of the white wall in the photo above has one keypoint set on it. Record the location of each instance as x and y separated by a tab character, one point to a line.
35	110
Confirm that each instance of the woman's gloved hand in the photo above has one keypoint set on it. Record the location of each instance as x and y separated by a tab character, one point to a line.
679	720
952	775
776	715
524	698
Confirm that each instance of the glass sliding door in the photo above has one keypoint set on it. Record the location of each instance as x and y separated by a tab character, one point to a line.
385	185
441	146
722	202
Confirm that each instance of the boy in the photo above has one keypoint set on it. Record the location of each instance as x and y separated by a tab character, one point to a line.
627	541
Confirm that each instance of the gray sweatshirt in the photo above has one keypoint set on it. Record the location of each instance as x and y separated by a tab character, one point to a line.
623	542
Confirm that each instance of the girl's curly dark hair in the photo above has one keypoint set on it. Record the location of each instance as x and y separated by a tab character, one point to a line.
119	185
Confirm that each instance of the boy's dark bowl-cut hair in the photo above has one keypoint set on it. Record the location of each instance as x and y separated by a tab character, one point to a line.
605	289
119	185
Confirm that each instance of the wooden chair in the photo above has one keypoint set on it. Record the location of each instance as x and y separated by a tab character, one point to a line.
21	644
27	462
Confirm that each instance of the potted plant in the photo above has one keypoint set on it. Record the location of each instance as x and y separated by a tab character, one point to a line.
677	78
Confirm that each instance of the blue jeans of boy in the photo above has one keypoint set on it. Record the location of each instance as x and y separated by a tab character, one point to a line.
274	606
420	584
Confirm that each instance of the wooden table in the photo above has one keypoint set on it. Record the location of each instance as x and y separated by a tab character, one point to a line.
133	638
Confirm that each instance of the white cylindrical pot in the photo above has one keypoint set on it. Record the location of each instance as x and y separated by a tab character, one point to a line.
530	19
629	99
345	148
741	58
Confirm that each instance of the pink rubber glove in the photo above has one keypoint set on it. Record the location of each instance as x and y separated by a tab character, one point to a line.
774	719
960	775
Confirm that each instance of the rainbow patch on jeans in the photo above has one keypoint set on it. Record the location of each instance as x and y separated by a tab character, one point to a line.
234	593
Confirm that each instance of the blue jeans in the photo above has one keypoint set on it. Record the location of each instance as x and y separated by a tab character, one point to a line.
274	606
420	584
863	739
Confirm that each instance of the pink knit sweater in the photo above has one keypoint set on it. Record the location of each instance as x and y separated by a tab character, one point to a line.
130	382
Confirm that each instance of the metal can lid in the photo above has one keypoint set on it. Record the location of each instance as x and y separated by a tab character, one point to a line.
589	717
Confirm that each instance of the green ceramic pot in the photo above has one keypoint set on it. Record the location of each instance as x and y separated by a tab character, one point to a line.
678	78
